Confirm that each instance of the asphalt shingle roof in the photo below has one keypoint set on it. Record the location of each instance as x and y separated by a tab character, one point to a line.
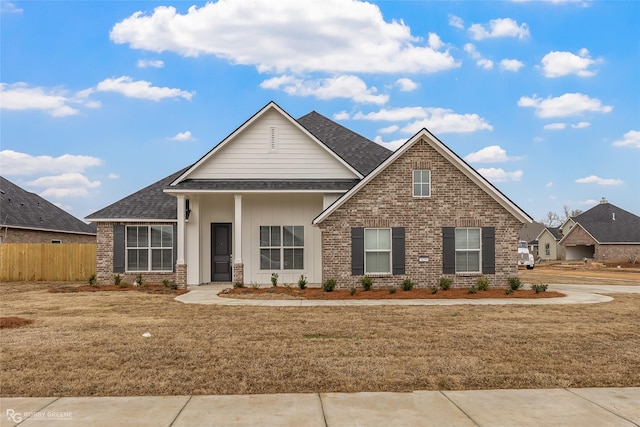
248	184
23	209
608	223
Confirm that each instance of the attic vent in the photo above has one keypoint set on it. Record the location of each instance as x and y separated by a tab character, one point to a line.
273	138
613	216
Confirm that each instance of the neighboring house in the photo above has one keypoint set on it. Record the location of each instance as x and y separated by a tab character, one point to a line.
310	197
548	243
529	233
603	233
28	218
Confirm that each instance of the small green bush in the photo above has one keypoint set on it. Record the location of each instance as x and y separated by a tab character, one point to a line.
238	285
274	279
366	282
539	287
166	283
117	280
509	291
445	283
482	284
514	283
139	279
302	282
329	285
473	289
392	290
407	285
353	290
92	280
434	289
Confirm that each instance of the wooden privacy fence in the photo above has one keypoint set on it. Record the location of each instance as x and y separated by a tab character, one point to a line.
47	261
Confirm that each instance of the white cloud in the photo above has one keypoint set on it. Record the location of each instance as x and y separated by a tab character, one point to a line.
9	7
150	63
437	120
631	139
333	36
555	126
341	115
347	86
141	89
500	175
113	176
593	179
501	27
56	102
588	202
456	21
481	62
549	184
389	129
15	163
182	136
581	125
389	145
406	85
65	185
558	64
511	65
569	104
490	154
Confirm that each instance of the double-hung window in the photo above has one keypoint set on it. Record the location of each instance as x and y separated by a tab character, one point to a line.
467	242
149	248
282	247
421	183
377	250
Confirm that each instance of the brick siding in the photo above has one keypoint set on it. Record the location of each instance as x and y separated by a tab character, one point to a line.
387	201
19	235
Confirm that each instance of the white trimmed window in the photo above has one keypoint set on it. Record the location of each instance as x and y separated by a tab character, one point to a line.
149	248
377	251
468	250
282	247
421	183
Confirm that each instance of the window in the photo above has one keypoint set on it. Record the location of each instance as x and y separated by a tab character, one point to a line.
149	248
56	241
421	183
547	249
377	250
282	247
467	250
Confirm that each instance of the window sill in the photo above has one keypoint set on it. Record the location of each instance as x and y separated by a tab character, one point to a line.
378	274
469	274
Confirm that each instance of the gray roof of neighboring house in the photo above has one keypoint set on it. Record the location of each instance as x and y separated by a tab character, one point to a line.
608	223
361	153
555	232
151	203
22	209
530	232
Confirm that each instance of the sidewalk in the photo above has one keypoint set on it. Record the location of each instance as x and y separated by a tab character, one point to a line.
591	407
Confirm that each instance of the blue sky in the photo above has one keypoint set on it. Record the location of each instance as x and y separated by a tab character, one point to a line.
99	99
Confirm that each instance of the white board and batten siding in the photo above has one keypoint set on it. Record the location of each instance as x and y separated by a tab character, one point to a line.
272	148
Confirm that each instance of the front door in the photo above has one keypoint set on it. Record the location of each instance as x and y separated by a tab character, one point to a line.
220	252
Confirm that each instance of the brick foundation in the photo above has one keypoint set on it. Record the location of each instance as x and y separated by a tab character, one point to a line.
238	273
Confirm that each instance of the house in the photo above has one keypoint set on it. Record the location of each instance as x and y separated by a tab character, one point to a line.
28	218
309	197
603	233
529	233
548	243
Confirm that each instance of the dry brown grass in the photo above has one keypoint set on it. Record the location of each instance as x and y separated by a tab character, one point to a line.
91	344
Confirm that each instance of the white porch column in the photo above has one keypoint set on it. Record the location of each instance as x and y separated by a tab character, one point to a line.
180	236
237	240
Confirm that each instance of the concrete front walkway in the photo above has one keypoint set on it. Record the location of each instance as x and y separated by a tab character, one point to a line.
591	407
575	294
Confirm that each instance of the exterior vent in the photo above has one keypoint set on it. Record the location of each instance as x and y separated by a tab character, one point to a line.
613	216
273	138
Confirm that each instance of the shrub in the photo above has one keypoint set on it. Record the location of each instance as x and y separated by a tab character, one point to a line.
274	279
509	291
174	285
473	289
255	285
445	283
434	289
366	282
539	287
166	283
514	283
407	285
117	280
238	285
482	284
353	290
92	280
302	282
392	290
329	285
139	279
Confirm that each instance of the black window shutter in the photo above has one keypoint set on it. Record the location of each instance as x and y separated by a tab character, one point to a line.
397	261
175	246
448	250
357	251
488	250
118	249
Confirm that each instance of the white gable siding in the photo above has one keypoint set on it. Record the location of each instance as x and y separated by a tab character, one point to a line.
254	154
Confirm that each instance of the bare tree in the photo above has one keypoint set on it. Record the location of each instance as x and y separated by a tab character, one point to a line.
551	219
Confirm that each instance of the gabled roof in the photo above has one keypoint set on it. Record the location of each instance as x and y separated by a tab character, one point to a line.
530	232
455	160
150	203
360	152
22	209
554	231
607	223
270	106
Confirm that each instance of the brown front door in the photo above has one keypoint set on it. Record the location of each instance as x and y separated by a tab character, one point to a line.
220	252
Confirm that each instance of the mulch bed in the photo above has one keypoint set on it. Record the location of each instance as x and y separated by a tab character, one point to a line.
281	292
13	322
148	289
